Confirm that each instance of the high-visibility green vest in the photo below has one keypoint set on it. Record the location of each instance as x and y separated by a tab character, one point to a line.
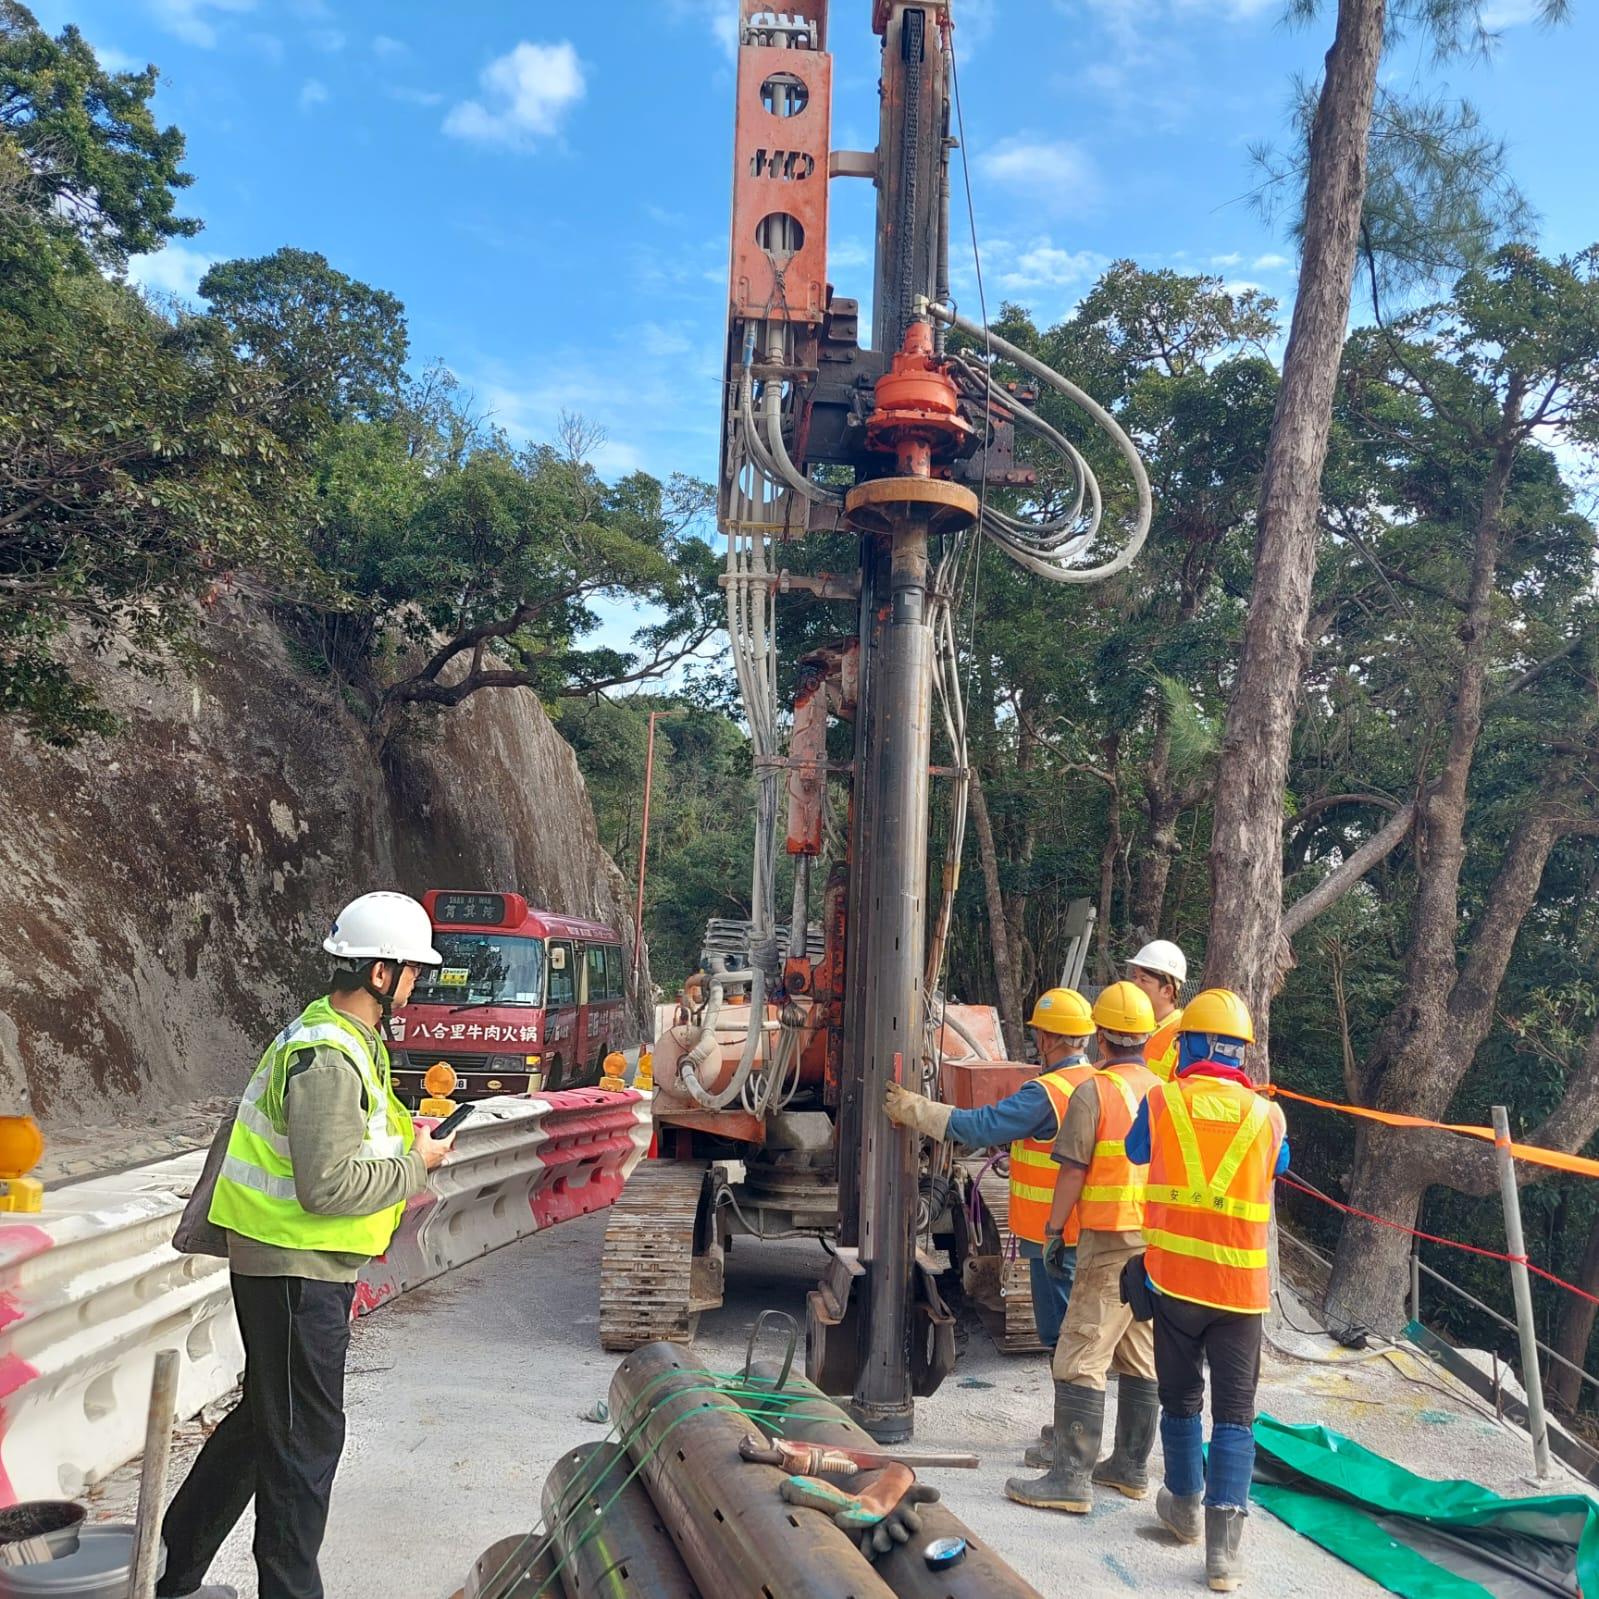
255	1193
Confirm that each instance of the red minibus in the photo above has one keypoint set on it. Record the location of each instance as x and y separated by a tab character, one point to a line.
524	1000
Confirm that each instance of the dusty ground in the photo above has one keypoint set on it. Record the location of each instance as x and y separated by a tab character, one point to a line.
462	1395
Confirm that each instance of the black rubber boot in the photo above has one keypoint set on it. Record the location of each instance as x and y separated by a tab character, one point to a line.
1224	1536
1181	1514
1067	1485
1126	1468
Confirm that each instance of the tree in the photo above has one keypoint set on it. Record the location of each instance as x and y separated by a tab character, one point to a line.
1243	951
478	566
1455	398
81	157
1093	711
136	477
136	474
338	344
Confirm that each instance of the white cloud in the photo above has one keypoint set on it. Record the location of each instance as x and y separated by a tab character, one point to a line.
1232	258
1242	286
313	92
115	60
409	96
526	94
175	270
190	21
1233	10
1041	264
1510	13
1057	175
1269	263
720	18
266	45
383	45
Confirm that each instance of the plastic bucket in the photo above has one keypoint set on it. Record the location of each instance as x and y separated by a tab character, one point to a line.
54	1521
101	1567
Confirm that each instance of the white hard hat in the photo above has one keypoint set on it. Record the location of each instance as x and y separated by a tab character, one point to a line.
1163	956
383	927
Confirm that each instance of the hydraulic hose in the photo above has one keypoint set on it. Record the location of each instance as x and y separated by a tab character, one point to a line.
707	1045
1086	402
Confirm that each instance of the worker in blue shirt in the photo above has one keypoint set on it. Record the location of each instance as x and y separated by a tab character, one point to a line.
1028	1121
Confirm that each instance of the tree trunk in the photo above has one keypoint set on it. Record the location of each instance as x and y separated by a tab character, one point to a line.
1010	1005
1105	964
1371	1269
1574	1330
1246	848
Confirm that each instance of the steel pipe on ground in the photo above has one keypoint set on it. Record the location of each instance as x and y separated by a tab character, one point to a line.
982	1574
737	1537
498	1573
609	1537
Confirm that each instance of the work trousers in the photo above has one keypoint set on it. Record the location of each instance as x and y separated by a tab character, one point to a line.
1050	1294
280	1444
1100	1335
1187	1338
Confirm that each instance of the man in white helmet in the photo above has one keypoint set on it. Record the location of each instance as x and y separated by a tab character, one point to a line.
1161	969
320	1161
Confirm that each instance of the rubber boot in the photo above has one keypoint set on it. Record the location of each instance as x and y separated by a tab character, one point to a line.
1224	1536
1126	1467
1068	1484
1180	1503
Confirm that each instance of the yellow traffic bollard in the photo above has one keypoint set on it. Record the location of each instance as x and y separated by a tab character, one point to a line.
21	1145
439	1081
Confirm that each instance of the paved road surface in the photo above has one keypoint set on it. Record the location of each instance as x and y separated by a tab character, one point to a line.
463	1394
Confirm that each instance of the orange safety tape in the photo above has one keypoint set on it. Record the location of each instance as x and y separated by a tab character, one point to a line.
1534	1153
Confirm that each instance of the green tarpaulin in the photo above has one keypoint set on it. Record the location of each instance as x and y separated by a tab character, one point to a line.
1421	1537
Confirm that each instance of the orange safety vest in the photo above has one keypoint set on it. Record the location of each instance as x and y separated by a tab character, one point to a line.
1160	1048
1113	1190
1032	1162
1212	1149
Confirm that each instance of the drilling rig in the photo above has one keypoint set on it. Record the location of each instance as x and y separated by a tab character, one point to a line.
771	1074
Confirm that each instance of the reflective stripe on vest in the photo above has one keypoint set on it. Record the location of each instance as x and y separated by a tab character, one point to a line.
255	1192
1033	1170
1113	1189
1160	1048
1213	1146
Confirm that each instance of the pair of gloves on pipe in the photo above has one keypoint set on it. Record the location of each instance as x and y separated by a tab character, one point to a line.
879	1515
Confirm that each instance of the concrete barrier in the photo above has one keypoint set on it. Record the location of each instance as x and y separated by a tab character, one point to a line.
91	1288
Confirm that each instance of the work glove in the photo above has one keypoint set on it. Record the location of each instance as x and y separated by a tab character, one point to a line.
907	1109
1055	1259
900	1525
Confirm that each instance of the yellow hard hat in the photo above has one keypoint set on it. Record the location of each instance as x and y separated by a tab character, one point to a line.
1124	1008
1218	1010
1063	1011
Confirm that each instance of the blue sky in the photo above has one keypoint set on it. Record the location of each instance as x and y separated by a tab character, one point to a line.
546	186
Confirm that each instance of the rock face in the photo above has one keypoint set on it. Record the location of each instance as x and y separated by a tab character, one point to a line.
164	893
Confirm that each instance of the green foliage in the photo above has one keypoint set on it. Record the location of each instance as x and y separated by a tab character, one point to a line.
471	564
1439	196
338	345
702	814
82	162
